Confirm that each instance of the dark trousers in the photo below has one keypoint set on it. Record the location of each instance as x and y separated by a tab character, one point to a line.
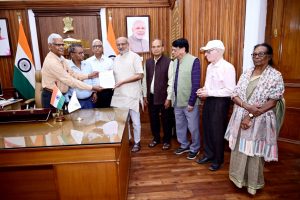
104	98
215	111
46	98
167	120
86	103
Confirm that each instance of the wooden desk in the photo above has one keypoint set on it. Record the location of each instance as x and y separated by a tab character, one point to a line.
66	160
10	104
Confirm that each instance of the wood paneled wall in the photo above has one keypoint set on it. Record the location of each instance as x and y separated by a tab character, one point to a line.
79	4
7	63
283	33
206	20
86	27
159	23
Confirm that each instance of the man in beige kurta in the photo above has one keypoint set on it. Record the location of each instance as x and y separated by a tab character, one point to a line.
128	72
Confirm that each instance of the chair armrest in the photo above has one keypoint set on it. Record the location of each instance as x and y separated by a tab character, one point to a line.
29	101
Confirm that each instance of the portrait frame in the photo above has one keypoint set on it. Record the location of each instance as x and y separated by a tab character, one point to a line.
5	45
138	42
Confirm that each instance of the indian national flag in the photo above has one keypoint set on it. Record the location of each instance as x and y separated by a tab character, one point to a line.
57	98
24	70
111	37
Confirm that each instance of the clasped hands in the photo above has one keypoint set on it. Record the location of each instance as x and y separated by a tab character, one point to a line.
255	110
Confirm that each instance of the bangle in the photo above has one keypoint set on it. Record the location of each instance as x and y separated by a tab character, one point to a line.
242	104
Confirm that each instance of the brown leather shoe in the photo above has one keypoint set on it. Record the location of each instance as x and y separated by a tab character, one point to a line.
153	144
166	146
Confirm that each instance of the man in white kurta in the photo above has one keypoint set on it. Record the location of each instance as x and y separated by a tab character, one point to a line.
128	72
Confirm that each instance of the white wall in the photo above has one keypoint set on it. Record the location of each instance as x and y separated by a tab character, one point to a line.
255	25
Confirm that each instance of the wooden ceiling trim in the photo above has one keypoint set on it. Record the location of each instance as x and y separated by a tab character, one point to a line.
88	4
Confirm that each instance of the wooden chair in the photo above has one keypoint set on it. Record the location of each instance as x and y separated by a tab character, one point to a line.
36	102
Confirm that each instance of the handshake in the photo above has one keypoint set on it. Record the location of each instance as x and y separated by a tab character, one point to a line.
95	74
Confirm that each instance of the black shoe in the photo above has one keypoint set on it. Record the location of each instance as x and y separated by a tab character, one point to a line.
166	146
153	144
136	147
180	150
214	167
192	155
203	160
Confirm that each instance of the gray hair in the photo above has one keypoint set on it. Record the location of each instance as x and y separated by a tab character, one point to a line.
52	37
122	38
96	40
72	47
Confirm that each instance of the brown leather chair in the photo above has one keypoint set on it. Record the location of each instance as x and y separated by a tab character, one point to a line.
37	101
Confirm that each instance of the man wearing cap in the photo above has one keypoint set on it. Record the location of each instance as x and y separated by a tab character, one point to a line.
218	87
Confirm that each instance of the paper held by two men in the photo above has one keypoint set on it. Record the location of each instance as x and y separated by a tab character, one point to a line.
107	79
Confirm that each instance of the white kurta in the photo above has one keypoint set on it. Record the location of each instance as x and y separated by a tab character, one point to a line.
127	95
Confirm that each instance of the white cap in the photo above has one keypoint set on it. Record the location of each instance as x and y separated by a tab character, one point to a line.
213	44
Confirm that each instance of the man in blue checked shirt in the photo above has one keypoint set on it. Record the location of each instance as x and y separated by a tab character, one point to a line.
86	98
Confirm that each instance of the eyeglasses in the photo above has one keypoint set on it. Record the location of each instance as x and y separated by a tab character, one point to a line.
209	51
58	44
97	46
80	53
260	54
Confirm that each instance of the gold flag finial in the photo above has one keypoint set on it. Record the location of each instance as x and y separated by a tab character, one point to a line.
19	15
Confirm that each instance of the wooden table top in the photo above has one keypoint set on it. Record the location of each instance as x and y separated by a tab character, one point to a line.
82	127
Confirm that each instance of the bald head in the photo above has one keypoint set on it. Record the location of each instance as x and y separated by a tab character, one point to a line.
96	42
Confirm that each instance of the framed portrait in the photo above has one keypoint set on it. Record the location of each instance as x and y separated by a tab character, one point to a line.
138	33
5	49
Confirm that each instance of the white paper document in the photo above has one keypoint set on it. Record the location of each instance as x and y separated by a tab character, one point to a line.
107	79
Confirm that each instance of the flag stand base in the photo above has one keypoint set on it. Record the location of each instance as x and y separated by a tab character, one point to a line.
59	116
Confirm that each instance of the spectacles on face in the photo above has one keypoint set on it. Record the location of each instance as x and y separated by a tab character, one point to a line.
209	51
97	46
260	54
80	53
58	44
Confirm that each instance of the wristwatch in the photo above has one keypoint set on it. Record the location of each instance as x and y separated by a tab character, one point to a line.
251	115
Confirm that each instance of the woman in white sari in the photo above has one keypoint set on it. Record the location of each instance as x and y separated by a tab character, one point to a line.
252	129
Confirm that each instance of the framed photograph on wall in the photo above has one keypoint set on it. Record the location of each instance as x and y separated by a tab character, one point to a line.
138	33
5	49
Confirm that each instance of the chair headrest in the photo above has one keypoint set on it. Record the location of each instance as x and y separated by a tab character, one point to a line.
38	76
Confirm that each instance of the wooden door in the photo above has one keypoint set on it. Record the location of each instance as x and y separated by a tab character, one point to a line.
85	23
283	33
